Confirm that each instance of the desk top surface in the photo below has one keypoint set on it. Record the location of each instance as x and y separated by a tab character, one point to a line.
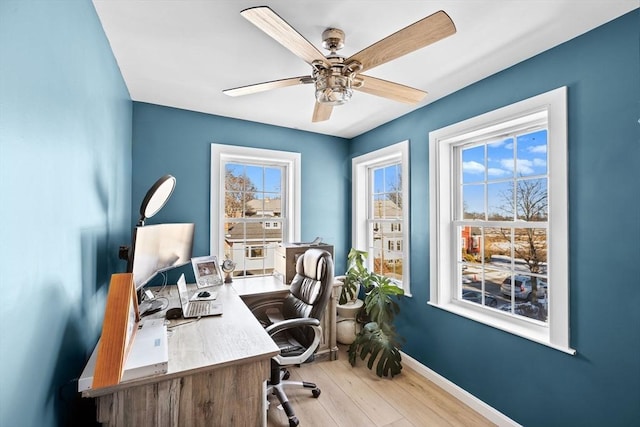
200	345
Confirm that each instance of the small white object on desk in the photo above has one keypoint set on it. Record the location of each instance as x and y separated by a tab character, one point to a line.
149	355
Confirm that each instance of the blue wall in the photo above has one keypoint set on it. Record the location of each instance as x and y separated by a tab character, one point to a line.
533	384
178	142
65	179
69	200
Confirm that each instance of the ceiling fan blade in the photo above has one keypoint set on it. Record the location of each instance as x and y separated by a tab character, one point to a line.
261	87
387	89
416	36
321	112
276	27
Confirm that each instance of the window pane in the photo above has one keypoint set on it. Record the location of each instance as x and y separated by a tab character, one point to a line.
391	210
526	296
471	244
531	199
264	207
500	200
387	251
473	162
532	153
233	176
255	177
493	281
378	206
387	193
233	204
273	180
473	202
498	247
378	181
500	159
530	250
392	178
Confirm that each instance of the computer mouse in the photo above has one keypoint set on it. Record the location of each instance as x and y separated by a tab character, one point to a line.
173	313
204	294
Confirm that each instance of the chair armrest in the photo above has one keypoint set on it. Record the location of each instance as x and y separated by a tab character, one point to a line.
291	323
294	323
297	360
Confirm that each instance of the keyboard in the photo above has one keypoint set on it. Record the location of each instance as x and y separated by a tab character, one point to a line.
198	308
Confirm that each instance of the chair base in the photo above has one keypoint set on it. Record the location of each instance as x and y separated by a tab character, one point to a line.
276	386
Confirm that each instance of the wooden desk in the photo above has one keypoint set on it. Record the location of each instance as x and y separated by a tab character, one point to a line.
216	374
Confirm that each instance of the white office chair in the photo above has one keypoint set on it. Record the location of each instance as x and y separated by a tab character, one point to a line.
296	330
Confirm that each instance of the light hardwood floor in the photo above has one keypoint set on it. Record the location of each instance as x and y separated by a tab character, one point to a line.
356	397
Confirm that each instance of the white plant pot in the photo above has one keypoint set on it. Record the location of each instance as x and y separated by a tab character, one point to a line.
346	325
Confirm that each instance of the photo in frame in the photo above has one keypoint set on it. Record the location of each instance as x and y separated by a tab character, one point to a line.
206	270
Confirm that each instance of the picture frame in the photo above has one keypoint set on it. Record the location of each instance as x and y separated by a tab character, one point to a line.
206	270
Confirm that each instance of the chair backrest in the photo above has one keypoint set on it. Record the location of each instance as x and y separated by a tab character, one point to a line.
311	286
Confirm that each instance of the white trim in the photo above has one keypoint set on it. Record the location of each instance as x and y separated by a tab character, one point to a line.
360	165
552	104
221	154
459	393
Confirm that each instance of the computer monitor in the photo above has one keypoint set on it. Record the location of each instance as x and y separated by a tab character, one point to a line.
160	247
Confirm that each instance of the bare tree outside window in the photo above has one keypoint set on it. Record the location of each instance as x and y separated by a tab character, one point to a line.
239	190
529	203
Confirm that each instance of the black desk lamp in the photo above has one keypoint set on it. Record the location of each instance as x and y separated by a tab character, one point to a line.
156	197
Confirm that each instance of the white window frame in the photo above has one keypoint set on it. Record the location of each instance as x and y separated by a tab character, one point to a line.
443	273
291	162
361	191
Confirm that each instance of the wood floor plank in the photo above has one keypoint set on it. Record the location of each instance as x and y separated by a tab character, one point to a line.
370	400
455	412
413	408
402	423
338	402
356	397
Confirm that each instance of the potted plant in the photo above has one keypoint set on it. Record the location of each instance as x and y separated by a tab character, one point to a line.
377	340
356	276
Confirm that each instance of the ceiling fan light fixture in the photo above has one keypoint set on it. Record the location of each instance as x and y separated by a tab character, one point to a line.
334	85
333	90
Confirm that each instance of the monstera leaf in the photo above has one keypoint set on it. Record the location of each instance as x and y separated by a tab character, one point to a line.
379	345
379	303
357	275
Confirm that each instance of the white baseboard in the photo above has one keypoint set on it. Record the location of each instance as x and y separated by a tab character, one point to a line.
462	395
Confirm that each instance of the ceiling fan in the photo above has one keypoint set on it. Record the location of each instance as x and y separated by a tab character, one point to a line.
334	76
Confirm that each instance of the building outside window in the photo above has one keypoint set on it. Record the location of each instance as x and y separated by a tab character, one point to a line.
381	209
254	205
499	251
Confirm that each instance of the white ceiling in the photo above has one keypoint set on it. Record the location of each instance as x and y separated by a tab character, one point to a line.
183	53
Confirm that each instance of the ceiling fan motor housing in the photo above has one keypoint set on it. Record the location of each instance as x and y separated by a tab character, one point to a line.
333	39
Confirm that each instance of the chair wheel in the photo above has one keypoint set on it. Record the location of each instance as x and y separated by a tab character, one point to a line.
316	392
293	421
286	375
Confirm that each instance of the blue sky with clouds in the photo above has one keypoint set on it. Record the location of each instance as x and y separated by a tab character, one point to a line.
267	180
492	167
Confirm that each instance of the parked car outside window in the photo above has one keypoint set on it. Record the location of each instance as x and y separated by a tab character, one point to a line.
523	287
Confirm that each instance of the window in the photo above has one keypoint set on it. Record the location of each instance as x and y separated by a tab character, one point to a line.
255	205
254	252
498	204
381	211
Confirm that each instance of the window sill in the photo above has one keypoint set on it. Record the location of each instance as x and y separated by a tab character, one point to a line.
521	328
